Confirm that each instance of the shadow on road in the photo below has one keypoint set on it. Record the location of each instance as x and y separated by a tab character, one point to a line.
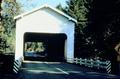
55	70
60	70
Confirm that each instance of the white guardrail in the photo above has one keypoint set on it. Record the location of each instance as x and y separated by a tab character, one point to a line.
17	65
93	63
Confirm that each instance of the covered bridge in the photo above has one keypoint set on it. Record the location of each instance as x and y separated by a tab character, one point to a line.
49	27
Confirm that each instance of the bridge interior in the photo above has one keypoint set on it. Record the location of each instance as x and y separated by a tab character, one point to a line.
44	47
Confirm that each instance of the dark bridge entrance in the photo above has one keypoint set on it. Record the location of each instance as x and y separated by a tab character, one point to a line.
44	47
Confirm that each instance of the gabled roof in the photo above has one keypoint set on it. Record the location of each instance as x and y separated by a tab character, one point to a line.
49	7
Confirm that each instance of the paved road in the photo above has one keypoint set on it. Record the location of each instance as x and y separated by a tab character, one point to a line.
59	70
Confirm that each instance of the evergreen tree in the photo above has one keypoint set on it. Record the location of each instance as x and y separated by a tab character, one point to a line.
98	29
79	10
59	6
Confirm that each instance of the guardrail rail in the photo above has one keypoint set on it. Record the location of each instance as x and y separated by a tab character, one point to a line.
93	63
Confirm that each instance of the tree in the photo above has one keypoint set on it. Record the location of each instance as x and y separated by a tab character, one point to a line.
59	6
79	10
98	28
10	8
105	29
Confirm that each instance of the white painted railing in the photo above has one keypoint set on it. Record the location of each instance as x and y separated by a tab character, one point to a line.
93	63
17	65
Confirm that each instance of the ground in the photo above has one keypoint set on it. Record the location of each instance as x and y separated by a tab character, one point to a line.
58	70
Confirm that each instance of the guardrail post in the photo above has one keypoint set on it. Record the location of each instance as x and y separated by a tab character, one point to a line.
17	65
108	67
76	60
91	62
85	62
98	64
80	61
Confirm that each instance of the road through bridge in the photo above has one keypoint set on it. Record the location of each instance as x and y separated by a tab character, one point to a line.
59	70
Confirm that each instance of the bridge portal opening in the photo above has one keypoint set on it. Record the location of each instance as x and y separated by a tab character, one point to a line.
44	46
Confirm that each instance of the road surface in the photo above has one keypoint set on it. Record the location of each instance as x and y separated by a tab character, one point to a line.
59	70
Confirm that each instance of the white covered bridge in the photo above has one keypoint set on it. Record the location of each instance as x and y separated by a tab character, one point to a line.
49	25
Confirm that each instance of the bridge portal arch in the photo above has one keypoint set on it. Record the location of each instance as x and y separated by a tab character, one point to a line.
44	46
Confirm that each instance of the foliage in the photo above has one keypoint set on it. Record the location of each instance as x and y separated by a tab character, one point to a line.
2	45
59	6
98	29
34	47
104	27
10	8
79	10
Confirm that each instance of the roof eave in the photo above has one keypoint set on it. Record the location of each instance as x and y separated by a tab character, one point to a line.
46	6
